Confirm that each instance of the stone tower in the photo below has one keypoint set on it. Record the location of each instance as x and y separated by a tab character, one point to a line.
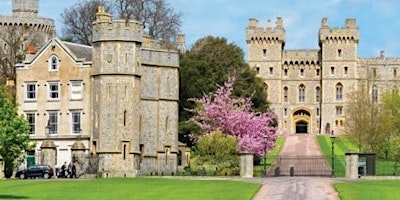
339	70
116	94
25	8
265	47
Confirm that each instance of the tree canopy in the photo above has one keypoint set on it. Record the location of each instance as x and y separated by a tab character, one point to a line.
161	21
209	62
14	130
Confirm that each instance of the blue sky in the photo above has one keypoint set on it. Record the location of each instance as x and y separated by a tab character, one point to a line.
378	20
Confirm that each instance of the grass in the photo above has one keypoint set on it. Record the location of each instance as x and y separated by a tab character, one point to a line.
128	188
369	190
341	146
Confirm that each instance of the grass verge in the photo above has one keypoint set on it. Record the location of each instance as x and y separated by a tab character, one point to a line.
127	188
371	190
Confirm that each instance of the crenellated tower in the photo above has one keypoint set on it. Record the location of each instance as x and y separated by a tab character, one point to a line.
339	70
116	94
265	47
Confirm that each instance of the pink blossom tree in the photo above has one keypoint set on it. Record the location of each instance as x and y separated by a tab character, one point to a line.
219	111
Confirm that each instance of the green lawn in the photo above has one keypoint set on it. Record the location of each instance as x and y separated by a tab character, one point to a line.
370	190
342	145
128	188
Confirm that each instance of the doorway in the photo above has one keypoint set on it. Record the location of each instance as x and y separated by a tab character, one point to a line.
301	127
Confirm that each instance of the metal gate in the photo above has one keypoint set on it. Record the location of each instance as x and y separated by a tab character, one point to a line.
300	166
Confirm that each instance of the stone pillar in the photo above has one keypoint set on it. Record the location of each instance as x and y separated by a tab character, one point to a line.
79	158
351	165
246	164
48	153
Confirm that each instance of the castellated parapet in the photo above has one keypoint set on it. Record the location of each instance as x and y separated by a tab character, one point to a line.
349	32
256	33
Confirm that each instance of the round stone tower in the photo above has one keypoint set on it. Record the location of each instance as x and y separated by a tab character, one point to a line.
25	8
116	92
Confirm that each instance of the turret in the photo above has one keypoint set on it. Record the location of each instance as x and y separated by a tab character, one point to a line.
25	8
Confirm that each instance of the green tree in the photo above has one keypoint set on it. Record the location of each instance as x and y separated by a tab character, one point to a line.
215	152
209	62
362	120
14	132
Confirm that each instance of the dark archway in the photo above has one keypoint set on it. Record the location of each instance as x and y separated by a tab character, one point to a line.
301	127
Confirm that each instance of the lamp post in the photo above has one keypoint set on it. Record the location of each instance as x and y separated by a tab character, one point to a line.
47	129
265	155
333	154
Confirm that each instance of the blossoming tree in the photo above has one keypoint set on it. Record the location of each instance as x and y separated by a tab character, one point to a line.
219	111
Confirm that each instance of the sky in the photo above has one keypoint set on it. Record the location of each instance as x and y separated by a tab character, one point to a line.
378	20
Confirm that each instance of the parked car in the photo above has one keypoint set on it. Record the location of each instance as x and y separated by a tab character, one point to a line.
34	171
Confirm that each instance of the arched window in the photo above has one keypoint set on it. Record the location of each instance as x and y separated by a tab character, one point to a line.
302	72
375	94
318	94
302	90
285	94
339	92
53	63
317	72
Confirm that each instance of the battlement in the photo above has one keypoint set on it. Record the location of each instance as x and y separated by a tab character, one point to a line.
25	8
348	33
256	33
107	29
301	57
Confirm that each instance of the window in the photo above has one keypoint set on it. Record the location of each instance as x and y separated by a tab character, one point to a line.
271	71
30	91
76	122
395	73
285	112
257	70
285	94
375	94
317	71
317	111
302	89
53	91
53	122
31	118
301	72
317	94
339	53
339	92
285	72
332	70
339	110
76	90
264	53
346	70
53	63
374	73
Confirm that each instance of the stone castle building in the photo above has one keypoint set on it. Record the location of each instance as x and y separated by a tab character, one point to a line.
309	89
115	102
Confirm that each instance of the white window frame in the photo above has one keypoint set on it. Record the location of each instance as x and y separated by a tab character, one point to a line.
54	63
50	91
339	92
76	90
302	93
53	122
78	130
27	91
32	125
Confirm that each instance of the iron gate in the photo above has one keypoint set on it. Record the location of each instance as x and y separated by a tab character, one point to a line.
300	166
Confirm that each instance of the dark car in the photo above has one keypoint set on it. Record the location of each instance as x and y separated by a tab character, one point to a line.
34	171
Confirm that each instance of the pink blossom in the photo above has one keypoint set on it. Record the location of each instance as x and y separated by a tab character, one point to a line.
218	111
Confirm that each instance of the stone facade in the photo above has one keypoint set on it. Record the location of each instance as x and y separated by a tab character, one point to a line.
309	89
117	99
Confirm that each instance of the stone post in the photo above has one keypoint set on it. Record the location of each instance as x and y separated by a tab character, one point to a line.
48	153
246	164
351	165
79	158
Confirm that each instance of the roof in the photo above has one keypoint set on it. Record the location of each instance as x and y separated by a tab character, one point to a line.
80	51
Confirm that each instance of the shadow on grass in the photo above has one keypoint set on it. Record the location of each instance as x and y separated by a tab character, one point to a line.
7	196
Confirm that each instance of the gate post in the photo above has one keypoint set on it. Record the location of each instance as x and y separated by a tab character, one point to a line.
79	159
246	164
351	165
48	150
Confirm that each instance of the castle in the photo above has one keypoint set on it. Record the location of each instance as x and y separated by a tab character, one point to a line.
112	106
309	89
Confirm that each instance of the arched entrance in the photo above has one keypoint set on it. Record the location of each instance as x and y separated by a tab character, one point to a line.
302	119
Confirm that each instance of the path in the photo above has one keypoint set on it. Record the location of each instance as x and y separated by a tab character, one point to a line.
298	188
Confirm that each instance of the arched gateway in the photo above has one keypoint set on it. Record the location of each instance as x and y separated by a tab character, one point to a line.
301	121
